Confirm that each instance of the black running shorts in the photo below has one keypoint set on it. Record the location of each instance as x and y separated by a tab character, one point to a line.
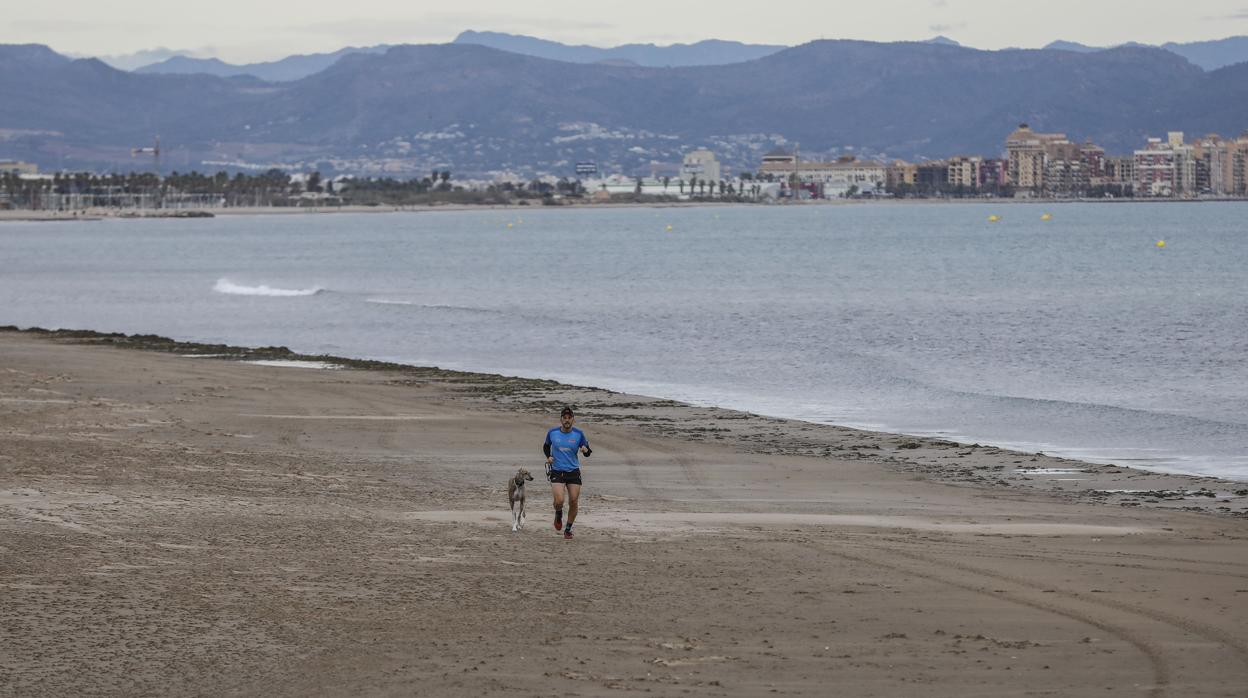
565	477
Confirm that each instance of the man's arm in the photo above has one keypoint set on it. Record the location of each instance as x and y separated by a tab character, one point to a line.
546	447
585	445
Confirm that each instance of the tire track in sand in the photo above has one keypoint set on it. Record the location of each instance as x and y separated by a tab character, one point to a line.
1144	642
1184	624
1119	560
1159	668
690	470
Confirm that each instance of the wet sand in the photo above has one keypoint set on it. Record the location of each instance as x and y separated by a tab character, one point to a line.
207	526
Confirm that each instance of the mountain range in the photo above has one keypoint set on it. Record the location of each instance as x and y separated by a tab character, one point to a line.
288	68
1209	55
475	109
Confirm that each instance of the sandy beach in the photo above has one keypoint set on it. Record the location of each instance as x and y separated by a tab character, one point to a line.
178	520
95	214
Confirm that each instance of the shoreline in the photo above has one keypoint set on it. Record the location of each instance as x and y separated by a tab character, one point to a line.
98	214
975	465
179	516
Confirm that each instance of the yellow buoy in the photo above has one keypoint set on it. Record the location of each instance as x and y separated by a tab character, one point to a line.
1047	217
1161	243
509	225
669	228
994	218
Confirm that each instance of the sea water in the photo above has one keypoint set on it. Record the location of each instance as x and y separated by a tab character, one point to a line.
1077	336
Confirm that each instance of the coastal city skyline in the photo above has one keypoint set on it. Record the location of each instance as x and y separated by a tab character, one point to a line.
909	336
280	29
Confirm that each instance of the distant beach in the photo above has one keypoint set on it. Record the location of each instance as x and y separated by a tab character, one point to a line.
191	213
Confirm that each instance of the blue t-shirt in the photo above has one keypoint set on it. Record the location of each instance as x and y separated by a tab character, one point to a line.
564	448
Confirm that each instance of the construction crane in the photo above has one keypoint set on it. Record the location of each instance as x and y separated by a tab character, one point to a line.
154	151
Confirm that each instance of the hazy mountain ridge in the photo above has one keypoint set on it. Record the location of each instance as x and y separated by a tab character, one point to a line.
286	69
475	109
708	52
1209	55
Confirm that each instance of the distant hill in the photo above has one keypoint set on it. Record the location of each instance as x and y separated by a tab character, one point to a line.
1212	55
474	109
30	57
187	65
138	59
286	69
1074	46
710	52
1209	55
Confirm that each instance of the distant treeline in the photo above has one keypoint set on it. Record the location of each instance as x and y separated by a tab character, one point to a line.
84	190
146	190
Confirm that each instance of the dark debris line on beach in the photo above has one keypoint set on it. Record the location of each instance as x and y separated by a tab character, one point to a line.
936	459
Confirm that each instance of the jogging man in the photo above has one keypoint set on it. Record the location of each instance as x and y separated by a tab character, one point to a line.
563	468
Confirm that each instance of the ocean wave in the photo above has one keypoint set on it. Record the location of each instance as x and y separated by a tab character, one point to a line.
233	289
387	301
434	306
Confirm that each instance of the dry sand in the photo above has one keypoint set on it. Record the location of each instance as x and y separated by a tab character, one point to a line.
206	526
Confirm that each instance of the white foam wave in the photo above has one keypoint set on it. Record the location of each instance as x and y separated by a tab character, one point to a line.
388	301
432	306
229	287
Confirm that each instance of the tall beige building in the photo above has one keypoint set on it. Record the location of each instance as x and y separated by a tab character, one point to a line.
1029	154
900	174
1220	165
963	172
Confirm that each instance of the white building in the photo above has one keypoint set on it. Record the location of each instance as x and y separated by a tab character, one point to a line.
19	167
834	179
678	188
701	164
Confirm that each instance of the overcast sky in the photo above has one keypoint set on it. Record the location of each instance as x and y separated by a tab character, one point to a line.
242	31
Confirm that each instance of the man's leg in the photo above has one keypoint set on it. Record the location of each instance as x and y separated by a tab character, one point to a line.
559	489
574	496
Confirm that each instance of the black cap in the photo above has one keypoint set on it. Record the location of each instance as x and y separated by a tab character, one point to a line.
566	410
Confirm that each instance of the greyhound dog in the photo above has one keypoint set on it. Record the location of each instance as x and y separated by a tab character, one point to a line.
515	496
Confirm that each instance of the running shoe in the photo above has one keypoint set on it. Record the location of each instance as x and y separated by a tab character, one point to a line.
558	523
567	534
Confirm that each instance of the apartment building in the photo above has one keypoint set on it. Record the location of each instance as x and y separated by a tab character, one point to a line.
1166	168
900	175
963	172
1220	165
993	173
1028	153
